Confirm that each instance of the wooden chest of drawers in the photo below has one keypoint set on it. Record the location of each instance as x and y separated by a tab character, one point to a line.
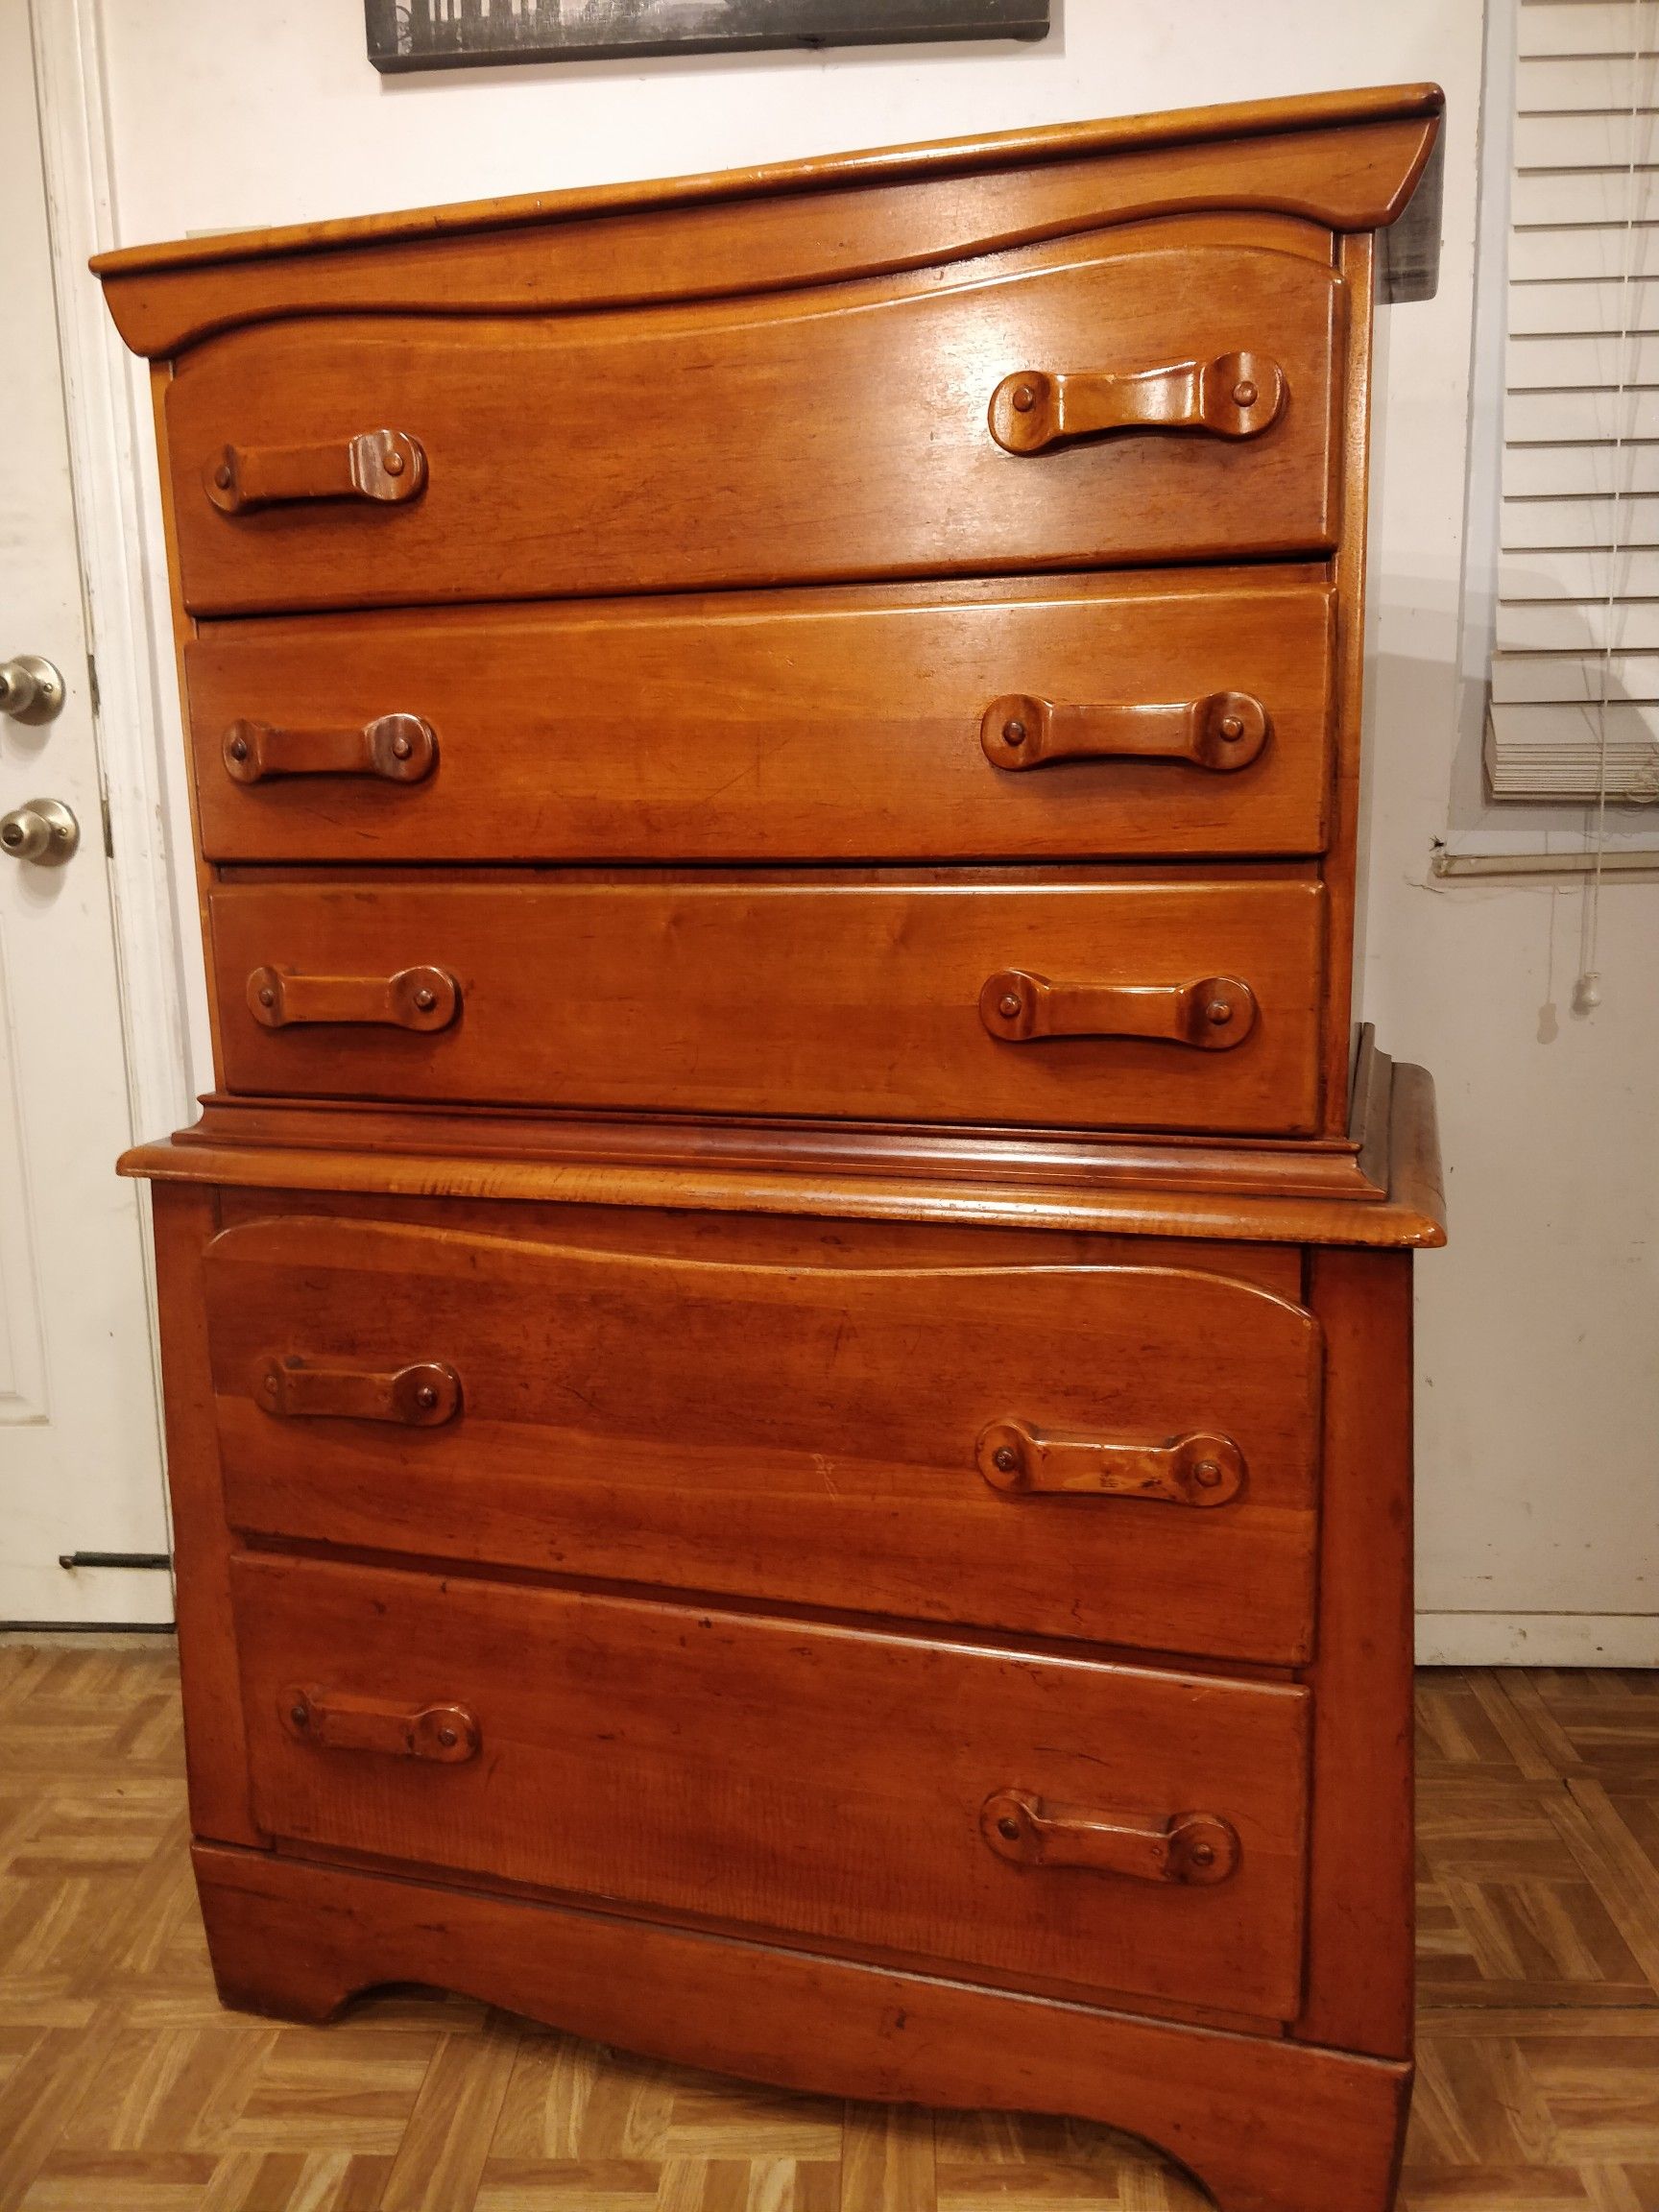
788	1333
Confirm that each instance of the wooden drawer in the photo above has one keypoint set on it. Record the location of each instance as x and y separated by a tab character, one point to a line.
824	1433
858	725
881	998
842	1789
846	432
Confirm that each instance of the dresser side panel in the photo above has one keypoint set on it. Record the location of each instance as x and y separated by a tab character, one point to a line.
1356	257
1361	1899
216	1749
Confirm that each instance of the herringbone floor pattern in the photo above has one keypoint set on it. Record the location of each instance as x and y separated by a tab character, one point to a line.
125	2088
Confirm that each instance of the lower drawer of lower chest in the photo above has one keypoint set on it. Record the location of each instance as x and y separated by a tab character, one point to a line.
1121	1453
1104	1828
1123	1000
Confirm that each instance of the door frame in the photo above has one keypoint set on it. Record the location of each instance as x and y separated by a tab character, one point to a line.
122	547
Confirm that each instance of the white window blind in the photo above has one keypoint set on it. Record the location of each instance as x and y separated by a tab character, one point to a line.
1574	700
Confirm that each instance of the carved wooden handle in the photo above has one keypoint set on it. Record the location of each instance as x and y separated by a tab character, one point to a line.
421	1396
1235	396
1199	1469
1222	730
1212	1014
1192	1848
384	466
447	1733
398	748
414	998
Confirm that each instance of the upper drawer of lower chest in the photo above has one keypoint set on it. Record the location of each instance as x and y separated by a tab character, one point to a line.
1085	403
859	1422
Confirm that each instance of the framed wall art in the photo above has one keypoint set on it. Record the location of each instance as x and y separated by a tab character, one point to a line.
456	34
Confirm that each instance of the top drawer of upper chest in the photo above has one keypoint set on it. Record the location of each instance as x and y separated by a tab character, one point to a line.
1148	394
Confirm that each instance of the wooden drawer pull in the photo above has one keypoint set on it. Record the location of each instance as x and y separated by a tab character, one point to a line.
1200	1469
398	748
384	466
1192	1848
1235	396
421	1396
1223	731
414	998
447	1733
1213	1014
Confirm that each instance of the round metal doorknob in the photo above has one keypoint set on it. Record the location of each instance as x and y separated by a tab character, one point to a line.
31	689
42	830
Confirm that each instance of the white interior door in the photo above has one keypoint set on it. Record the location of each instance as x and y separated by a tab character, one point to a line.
80	1447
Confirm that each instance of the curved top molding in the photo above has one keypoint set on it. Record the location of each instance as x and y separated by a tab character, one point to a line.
1347	161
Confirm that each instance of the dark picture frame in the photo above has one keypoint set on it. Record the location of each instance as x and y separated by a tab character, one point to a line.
408	34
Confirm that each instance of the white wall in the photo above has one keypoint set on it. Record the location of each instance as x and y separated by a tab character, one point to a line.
1539	1425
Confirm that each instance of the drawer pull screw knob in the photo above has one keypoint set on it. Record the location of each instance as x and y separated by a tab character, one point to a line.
1219	1012
1232	727
392	461
1010	1827
1207	1474
426	1396
299	1714
267	997
1202	1854
1008	1006
1006	1458
238	748
1013	733
401	748
1243	394
223	476
449	1739
426	998
1025	398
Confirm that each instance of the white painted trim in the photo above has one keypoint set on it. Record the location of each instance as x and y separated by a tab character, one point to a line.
1538	1639
1489	336
105	403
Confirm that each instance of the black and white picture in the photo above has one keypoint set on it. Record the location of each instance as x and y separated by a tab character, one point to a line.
451	34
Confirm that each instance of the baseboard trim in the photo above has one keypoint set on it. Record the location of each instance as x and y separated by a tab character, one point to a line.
1538	1639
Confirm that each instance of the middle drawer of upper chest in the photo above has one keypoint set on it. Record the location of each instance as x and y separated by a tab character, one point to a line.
1152	712
1095	400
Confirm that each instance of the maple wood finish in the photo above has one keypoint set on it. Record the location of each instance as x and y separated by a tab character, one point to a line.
816	996
554	452
844	1465
787	1335
785	726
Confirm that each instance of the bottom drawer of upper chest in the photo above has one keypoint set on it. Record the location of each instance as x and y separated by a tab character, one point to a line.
1099	1828
911	1423
1097	999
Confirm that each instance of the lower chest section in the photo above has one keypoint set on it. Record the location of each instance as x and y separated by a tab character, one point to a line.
945	1596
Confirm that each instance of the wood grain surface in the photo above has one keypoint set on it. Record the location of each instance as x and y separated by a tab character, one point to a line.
775	555
792	223
788	1418
125	2087
810	994
595	454
838	725
629	1756
1382	1190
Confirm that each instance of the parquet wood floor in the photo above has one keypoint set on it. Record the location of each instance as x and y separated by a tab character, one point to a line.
124	2088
